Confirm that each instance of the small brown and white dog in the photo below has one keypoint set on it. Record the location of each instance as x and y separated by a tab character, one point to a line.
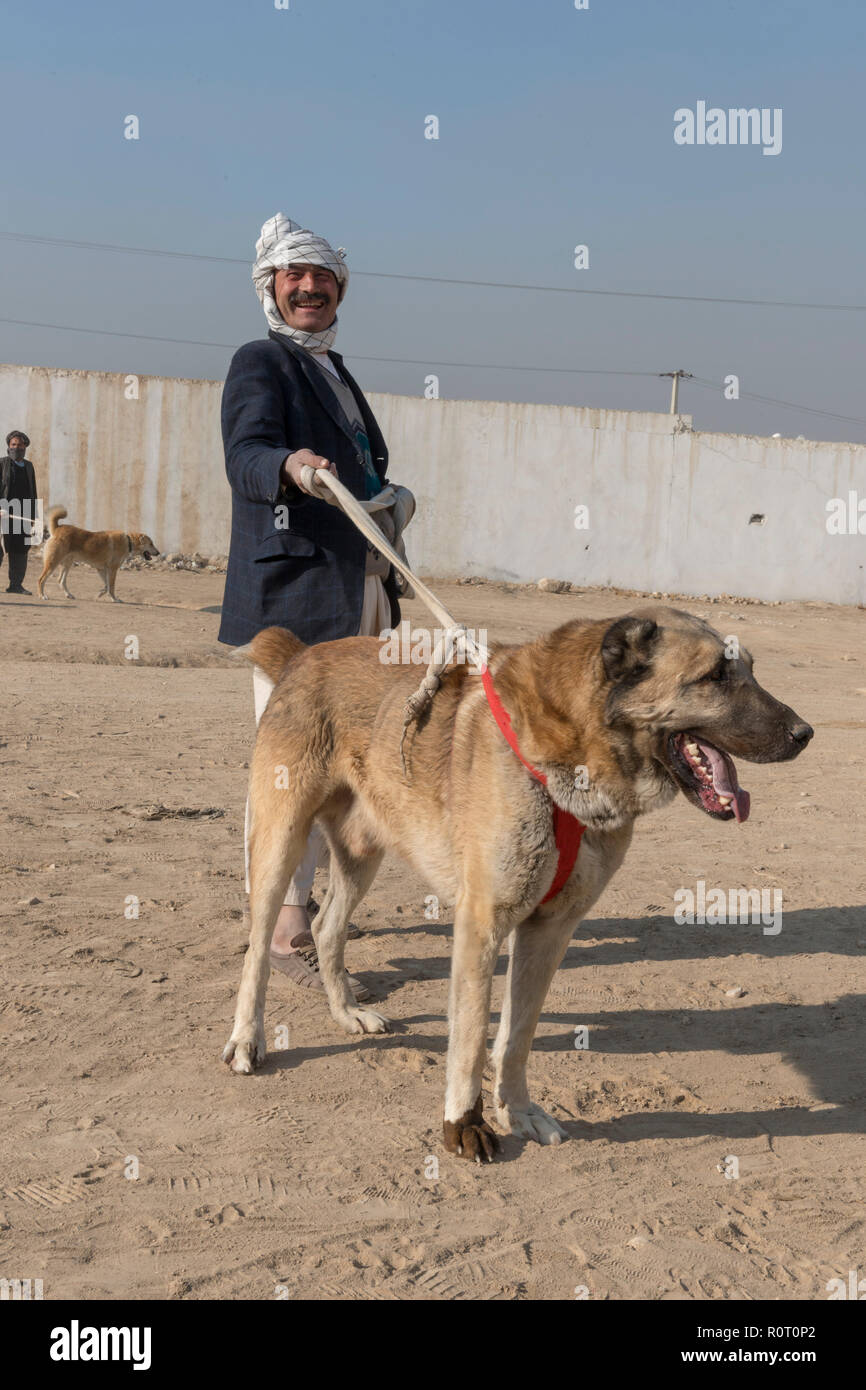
104	550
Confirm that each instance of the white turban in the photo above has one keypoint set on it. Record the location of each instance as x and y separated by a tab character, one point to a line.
284	243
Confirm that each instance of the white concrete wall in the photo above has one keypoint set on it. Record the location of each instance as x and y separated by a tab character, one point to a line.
154	464
669	509
497	484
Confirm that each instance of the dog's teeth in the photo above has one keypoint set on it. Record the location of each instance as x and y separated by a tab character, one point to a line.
725	800
692	748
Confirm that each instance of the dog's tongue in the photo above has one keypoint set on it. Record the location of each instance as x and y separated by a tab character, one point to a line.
725	779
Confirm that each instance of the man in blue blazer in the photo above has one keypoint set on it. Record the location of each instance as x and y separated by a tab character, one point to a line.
295	561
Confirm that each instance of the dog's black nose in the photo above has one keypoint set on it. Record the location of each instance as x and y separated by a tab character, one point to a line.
801	733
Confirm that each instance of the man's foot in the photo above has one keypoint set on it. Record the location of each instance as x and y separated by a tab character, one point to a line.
301	965
17	589
293	951
291	922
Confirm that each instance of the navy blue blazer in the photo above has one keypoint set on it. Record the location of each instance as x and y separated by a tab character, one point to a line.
308	577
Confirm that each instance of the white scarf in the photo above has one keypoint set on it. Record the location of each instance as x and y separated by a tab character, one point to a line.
284	243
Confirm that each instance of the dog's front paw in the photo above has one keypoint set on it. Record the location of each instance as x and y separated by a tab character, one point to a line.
245	1053
363	1021
470	1136
530	1122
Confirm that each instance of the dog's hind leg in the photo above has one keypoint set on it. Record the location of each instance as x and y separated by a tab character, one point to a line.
478	934
62	581
536	949
46	574
349	878
276	845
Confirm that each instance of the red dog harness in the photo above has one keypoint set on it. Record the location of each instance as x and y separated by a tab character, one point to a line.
567	829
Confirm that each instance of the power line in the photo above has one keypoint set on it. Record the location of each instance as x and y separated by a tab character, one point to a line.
125	250
789	405
437	362
498	366
443	280
358	357
113	333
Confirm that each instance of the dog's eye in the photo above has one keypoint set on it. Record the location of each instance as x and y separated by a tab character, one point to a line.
717	674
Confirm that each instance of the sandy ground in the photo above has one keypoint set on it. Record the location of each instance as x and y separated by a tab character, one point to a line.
316	1175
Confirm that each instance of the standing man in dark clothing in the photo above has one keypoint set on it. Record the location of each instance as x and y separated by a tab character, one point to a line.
18	485
295	561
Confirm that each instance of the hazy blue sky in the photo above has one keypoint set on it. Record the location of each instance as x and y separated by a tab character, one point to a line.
556	128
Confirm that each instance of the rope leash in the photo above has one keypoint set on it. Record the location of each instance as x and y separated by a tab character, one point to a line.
456	643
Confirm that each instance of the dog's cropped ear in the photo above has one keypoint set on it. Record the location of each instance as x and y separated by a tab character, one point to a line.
626	647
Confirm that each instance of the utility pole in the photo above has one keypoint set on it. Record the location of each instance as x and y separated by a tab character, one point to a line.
675	386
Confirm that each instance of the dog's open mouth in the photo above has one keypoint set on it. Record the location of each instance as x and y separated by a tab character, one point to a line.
710	776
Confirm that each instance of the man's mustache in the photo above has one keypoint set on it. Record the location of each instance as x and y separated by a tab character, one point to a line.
299	300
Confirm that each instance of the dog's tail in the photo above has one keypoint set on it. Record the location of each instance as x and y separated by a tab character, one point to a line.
272	649
53	517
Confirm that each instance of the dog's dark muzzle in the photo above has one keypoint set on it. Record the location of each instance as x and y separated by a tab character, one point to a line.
762	739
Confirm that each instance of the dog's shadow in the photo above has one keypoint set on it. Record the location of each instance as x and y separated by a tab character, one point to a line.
822	1041
623	941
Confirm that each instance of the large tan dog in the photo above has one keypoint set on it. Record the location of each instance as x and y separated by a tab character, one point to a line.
620	716
104	550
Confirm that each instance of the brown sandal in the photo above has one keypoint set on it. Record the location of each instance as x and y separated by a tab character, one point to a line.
301	966
312	909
